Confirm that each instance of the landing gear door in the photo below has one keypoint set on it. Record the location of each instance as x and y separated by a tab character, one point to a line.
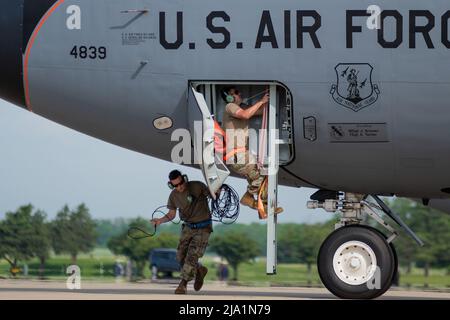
201	125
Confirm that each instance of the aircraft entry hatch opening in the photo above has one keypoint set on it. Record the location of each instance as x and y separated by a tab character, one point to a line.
251	93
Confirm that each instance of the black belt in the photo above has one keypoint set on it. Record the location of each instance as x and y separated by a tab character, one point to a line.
199	225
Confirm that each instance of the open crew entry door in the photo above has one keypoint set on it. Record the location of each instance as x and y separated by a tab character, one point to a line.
276	146
201	125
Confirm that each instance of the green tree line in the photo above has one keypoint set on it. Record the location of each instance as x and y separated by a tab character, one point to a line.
432	226
26	233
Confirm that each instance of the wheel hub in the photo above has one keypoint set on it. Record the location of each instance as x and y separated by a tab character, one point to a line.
354	262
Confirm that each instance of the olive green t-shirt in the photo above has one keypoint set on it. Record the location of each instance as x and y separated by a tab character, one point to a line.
192	203
238	127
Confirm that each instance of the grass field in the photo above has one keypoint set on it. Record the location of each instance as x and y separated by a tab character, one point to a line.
99	266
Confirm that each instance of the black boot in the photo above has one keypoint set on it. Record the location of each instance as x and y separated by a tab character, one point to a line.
199	277
182	287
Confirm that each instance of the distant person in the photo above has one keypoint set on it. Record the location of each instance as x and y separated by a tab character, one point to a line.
118	270
25	270
223	272
129	270
191	200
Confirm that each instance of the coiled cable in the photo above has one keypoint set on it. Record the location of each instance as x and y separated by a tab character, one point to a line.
224	209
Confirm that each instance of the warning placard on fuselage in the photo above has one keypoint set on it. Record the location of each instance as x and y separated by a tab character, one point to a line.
357	132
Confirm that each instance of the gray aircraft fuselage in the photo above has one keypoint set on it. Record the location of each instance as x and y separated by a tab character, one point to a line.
377	99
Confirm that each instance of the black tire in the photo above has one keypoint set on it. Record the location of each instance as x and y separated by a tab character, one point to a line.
395	275
370	237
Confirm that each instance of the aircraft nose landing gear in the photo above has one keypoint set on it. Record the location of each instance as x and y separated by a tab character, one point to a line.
357	261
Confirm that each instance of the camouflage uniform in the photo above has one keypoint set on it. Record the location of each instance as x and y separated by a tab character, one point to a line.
193	208
192	246
245	165
237	134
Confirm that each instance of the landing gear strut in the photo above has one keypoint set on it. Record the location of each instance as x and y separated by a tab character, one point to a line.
357	261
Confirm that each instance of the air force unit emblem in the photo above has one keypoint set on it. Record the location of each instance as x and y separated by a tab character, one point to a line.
354	88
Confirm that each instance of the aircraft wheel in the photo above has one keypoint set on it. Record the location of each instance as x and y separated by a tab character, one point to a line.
356	262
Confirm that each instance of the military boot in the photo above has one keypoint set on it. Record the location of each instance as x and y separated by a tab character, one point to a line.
248	200
278	210
182	287
199	277
264	201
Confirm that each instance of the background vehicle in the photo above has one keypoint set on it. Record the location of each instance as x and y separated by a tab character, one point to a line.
163	260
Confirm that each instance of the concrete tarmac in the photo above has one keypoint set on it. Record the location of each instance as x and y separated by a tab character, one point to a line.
57	290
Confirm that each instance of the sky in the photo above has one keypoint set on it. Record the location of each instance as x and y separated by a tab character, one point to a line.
49	166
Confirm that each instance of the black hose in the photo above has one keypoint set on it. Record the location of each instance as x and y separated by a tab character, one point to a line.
137	233
224	209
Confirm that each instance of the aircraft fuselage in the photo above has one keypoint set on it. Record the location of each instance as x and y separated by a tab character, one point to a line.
370	97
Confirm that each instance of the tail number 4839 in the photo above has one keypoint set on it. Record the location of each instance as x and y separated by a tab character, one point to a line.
85	52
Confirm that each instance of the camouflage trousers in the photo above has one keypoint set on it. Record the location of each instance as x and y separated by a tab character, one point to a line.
192	246
246	166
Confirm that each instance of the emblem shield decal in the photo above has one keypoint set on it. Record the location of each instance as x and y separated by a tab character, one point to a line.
354	88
